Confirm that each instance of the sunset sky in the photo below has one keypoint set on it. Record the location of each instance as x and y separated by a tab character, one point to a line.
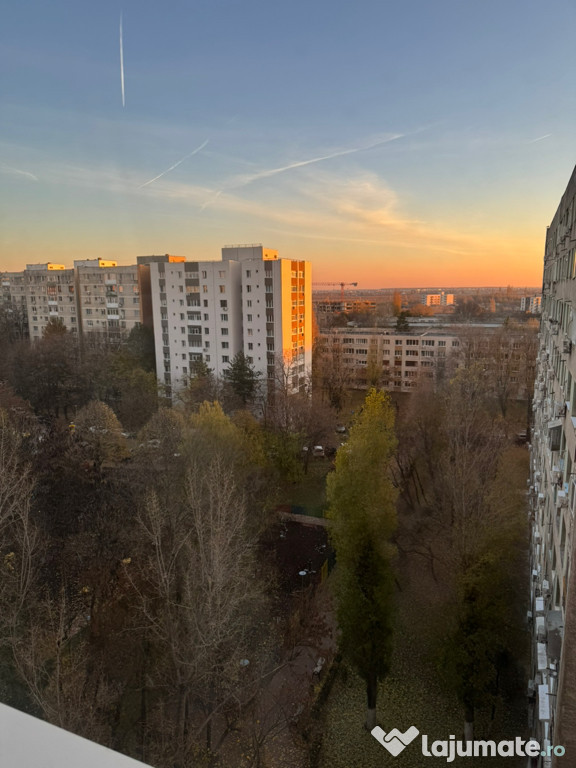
392	144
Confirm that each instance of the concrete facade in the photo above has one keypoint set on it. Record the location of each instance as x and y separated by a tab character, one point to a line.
250	301
553	491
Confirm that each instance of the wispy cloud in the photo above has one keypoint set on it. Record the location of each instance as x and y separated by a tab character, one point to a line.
190	154
540	138
7	169
237	182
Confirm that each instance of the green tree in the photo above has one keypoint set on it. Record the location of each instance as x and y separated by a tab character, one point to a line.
201	386
485	647
243	379
402	324
362	502
98	427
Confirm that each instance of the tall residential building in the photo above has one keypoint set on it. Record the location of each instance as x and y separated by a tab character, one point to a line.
94	297
251	301
532	304
553	583
108	298
50	295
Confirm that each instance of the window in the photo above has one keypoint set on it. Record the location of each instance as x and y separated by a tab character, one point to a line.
222	288
223	304
206	331
225	359
204	289
224	331
225	345
248	273
204	275
249	303
250	345
224	318
249	318
222	273
249	332
206	317
248	289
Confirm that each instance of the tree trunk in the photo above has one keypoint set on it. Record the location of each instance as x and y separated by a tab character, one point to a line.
371	696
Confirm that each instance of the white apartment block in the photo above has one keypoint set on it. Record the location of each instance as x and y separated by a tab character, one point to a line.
403	359
50	295
438	299
108	298
251	301
95	296
532	304
553	582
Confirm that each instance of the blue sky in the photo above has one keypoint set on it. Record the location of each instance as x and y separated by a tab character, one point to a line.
390	143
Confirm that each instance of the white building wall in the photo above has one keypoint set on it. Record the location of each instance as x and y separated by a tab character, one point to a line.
242	303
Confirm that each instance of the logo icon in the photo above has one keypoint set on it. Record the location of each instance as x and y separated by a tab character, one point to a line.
394	741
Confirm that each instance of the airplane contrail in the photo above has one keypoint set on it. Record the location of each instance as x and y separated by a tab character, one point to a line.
243	181
301	163
122	64
194	152
540	138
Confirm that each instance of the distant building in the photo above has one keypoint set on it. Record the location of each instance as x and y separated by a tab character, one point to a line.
532	304
50	295
13	300
251	301
95	296
402	360
553	475
107	297
438	299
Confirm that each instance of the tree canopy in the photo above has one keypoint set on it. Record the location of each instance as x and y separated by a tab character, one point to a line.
362	502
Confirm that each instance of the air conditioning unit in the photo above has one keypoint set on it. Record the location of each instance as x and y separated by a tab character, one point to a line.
559	410
537	476
562	499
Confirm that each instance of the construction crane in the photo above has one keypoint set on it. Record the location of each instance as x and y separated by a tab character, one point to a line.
332	285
